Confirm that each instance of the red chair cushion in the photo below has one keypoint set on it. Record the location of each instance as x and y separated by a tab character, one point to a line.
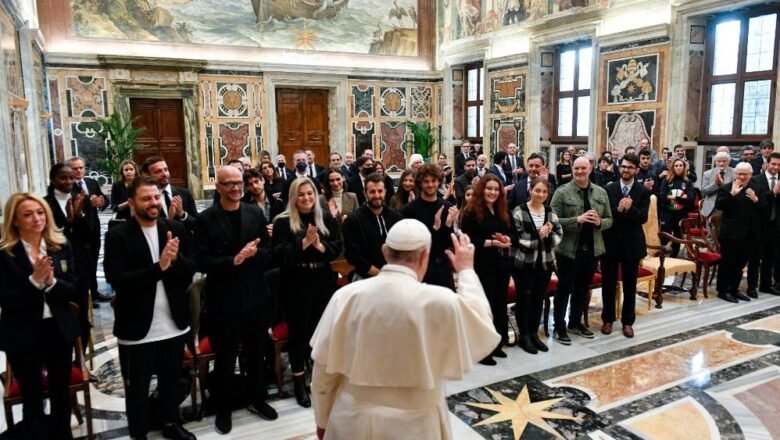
709	257
697	232
279	332
511	292
76	377
644	273
205	346
596	278
552	286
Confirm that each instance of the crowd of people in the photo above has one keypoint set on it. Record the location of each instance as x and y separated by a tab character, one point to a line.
267	244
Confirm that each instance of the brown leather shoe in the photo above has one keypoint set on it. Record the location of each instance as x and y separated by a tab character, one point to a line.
606	328
628	331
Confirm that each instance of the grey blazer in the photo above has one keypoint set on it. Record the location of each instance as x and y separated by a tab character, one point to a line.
349	203
709	189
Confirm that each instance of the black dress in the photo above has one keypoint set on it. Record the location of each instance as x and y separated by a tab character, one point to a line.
119	196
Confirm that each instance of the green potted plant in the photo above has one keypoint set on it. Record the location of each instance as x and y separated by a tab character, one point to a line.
120	138
423	138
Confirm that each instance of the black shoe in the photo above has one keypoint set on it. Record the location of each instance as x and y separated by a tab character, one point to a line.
541	346
579	329
728	297
224	422
561	336
741	296
499	353
101	298
264	410
177	432
299	389
527	346
753	293
95	305
489	361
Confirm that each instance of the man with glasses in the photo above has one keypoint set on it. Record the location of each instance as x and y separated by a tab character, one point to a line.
233	250
624	243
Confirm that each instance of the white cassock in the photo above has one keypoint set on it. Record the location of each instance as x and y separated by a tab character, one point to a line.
384	348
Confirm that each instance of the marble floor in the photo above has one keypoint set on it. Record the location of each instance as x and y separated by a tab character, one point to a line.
696	369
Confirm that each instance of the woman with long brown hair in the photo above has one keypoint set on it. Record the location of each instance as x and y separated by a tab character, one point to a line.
37	326
486	221
676	200
405	193
274	184
119	204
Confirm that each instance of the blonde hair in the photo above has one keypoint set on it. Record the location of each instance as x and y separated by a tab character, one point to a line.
52	235
296	225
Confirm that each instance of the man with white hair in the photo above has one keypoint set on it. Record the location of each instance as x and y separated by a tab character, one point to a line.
741	202
720	174
395	389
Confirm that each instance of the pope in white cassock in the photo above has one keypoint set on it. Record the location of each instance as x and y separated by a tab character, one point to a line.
385	345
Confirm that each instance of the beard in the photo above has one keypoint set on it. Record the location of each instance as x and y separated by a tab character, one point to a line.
144	213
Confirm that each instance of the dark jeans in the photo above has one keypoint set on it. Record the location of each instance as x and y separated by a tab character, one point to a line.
531	288
56	352
495	282
734	256
609	273
249	329
138	363
574	277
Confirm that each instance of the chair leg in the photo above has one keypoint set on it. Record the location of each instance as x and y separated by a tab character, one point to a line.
619	300
714	272
650	287
278	366
705	278
9	414
88	411
194	390
547	316
203	369
74	406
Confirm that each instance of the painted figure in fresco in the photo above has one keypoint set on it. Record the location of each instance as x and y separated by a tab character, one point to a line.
469	13
514	12
629	130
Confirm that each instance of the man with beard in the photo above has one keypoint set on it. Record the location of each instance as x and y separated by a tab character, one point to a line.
646	173
178	202
233	250
466	178
364	166
438	216
536	168
365	229
148	261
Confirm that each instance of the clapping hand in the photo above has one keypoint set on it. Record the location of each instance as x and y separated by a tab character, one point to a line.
333	208
176	210
452	215
545	230
312	238
625	204
501	241
751	195
437	218
170	251
462	254
248	251
736	188
43	272
97	201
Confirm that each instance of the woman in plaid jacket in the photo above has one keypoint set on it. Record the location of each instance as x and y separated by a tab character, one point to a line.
537	232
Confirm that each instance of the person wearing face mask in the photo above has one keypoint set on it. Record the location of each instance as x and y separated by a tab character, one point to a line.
356	183
281	168
300	159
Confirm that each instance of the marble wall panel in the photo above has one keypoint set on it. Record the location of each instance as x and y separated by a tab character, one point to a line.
85	142
9	44
506	108
364	133
629	128
507	94
392	101
233	141
632	79
362	101
457	111
392	151
507	131
87	96
56	133
422	105
546	106
232	100
695	78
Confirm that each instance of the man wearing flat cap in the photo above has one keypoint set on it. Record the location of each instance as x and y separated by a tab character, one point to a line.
385	345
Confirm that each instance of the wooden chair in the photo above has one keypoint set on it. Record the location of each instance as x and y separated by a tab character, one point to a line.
344	271
79	382
699	250
552	286
192	357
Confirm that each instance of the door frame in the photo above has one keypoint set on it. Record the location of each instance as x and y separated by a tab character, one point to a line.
337	109
188	96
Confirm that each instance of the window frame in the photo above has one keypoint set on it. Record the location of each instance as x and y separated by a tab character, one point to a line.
480	102
739	78
574	94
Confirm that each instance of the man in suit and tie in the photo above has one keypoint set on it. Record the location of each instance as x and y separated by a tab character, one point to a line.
712	179
481	165
536	169
355	184
764	258
498	170
766	147
742	203
625	245
233	250
300	160
462	157
313	169
149	263
95	201
178	203
281	168
513	165
348	168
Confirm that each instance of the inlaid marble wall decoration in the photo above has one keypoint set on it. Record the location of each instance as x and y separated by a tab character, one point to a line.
632	98
378	112
41	98
9	44
546	106
506	109
78	97
457	104
232	123
693	104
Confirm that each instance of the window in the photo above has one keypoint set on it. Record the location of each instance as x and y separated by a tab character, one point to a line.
475	111
571	114
739	86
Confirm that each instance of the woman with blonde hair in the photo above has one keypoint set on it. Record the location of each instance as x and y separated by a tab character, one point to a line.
676	200
37	326
305	241
416	161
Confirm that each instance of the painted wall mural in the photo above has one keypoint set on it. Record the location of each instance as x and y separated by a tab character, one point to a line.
354	26
378	112
506	109
630	128
465	18
632	79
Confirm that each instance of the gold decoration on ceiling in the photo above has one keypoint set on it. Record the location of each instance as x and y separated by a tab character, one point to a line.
522	412
304	38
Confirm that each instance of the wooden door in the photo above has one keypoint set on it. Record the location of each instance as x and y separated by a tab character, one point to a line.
302	122
164	135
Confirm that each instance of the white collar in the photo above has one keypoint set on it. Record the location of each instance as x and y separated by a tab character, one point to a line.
624	184
59	195
769	176
397	268
168	189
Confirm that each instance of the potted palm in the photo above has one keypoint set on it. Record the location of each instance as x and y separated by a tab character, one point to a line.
120	138
423	138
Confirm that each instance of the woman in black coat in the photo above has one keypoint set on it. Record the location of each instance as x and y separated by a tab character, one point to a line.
37	326
119	190
676	200
305	241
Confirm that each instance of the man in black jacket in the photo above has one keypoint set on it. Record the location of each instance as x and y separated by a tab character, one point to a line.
233	250
178	202
763	258
625	245
149	263
365	230
364	166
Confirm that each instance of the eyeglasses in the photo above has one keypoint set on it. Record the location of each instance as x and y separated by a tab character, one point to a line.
238	184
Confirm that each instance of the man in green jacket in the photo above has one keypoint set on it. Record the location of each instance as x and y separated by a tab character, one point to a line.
584	212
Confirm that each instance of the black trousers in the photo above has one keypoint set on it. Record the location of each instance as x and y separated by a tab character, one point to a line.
439	272
495	282
304	298
138	363
94	255
56	353
610	265
82	300
574	277
531	288
763	261
734	256
250	329
671	223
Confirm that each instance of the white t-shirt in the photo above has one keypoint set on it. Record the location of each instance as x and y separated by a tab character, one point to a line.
162	327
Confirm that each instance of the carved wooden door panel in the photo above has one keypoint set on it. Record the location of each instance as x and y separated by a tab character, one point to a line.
302	122
164	135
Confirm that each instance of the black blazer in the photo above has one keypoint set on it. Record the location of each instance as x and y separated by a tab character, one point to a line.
348	170
741	217
355	185
119	196
188	203
130	271
626	236
91	212
767	225
362	240
21	303
229	288
519	193
506	180
508	165
460	163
